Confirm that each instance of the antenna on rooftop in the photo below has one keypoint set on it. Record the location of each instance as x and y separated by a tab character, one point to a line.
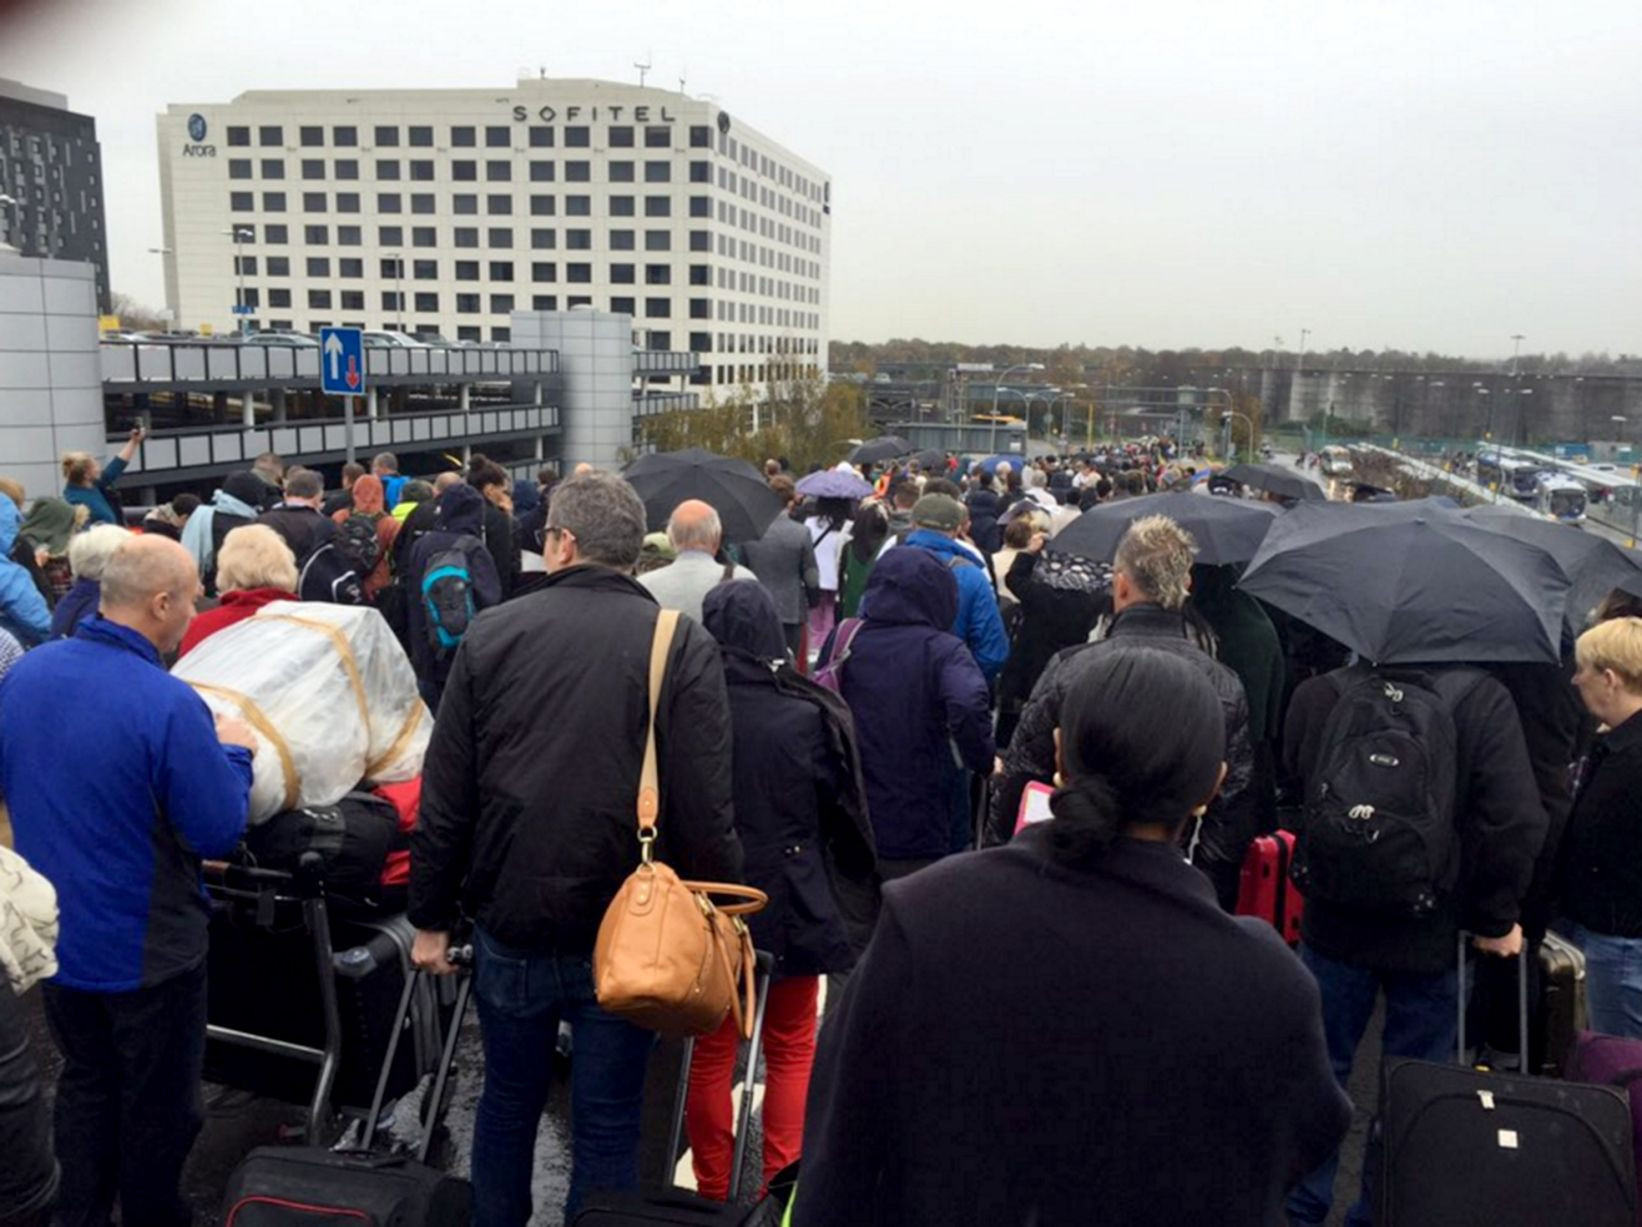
541	73
643	68
682	73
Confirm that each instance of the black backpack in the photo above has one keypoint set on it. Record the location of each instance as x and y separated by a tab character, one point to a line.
356	538
1379	833
447	599
328	575
353	838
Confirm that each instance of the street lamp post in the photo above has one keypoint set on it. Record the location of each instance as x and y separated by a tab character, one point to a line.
398	288
239	236
997	390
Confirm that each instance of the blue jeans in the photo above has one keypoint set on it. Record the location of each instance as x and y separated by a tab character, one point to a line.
1613	979
1420	1023
522	996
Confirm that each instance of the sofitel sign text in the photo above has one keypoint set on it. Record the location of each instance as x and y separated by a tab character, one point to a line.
640	115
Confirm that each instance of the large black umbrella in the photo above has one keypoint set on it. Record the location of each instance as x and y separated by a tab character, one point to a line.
1276	479
1595	565
930	459
885	447
1226	529
733	488
1422	588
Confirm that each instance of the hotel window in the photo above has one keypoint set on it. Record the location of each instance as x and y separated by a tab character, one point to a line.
270	134
422	137
347	168
540	137
387	137
578	137
658	138
658	172
498	137
463	138
541	172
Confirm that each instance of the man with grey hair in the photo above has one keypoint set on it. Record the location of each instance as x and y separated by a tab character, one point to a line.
696	534
528	827
298	518
115	802
1151	576
88	555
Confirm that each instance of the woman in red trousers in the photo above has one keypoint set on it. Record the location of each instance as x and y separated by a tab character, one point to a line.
800	809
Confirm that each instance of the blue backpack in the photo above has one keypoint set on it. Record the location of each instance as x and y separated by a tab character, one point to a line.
447	599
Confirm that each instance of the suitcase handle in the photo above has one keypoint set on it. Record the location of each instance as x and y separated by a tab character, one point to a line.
462	957
1522	1004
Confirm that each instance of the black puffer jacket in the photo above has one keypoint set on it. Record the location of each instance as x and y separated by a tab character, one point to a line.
529	821
1228	826
800	803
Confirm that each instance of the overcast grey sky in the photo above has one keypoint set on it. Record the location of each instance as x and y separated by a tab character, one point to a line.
1427	175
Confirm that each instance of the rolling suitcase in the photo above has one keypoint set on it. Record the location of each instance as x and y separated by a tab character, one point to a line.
674	1207
1562	1009
1265	888
1468	1145
309	1186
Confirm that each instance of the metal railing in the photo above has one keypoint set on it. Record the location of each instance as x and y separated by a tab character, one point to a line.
208	447
231	362
647	404
664	362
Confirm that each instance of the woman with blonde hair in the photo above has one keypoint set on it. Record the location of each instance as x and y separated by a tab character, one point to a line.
1601	856
254	568
88	484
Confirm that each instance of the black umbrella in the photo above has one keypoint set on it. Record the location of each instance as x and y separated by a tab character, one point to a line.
1412	588
885	447
1595	565
733	488
1276	479
1226	529
930	459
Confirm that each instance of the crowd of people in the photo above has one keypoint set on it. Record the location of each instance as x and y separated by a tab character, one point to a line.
1028	1016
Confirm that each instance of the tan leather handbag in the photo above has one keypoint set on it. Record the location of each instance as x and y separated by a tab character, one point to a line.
668	957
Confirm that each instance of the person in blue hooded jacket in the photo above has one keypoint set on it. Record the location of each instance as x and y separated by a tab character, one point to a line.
116	802
938	520
916	695
23	611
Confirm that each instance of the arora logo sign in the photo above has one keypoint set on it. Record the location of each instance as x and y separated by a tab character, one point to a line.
196	133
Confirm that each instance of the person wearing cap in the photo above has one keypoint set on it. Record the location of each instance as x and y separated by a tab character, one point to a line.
938	521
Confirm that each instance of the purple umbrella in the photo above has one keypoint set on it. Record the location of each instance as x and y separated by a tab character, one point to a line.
833	483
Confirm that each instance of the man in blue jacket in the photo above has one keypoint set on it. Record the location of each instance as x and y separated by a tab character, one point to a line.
116	801
938	520
23	611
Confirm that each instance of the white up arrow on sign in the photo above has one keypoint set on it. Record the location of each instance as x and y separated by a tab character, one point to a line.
333	351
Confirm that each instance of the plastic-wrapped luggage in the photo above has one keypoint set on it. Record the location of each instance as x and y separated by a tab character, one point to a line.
329	693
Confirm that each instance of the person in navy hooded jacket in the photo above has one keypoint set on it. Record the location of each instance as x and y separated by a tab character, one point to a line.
115	803
916	693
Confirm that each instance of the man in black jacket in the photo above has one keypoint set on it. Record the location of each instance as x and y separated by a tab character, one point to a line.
458	525
1151	575
528	826
1354	955
297	518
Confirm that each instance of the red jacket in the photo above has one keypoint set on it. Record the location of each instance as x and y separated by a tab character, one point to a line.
236	606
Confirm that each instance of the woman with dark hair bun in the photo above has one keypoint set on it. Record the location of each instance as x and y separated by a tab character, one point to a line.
1068	1029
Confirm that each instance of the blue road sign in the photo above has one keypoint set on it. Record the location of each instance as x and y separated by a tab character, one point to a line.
240	310
342	361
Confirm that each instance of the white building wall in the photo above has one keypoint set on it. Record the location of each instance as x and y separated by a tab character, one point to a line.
766	227
51	392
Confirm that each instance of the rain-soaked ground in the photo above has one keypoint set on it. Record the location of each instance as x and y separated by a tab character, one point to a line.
236	1122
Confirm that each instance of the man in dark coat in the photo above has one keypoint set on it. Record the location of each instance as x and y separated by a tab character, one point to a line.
528	826
984	511
458	522
1151	574
297	519
916	695
1356	954
784	561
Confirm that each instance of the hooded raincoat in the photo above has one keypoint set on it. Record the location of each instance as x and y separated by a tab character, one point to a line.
800	801
919	701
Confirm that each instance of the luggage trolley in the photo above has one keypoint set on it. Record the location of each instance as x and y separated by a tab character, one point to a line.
295	981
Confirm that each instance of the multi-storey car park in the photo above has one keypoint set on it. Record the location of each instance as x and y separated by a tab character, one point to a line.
444	211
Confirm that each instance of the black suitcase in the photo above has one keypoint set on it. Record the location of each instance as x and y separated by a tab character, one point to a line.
309	1186
673	1207
1470	1146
